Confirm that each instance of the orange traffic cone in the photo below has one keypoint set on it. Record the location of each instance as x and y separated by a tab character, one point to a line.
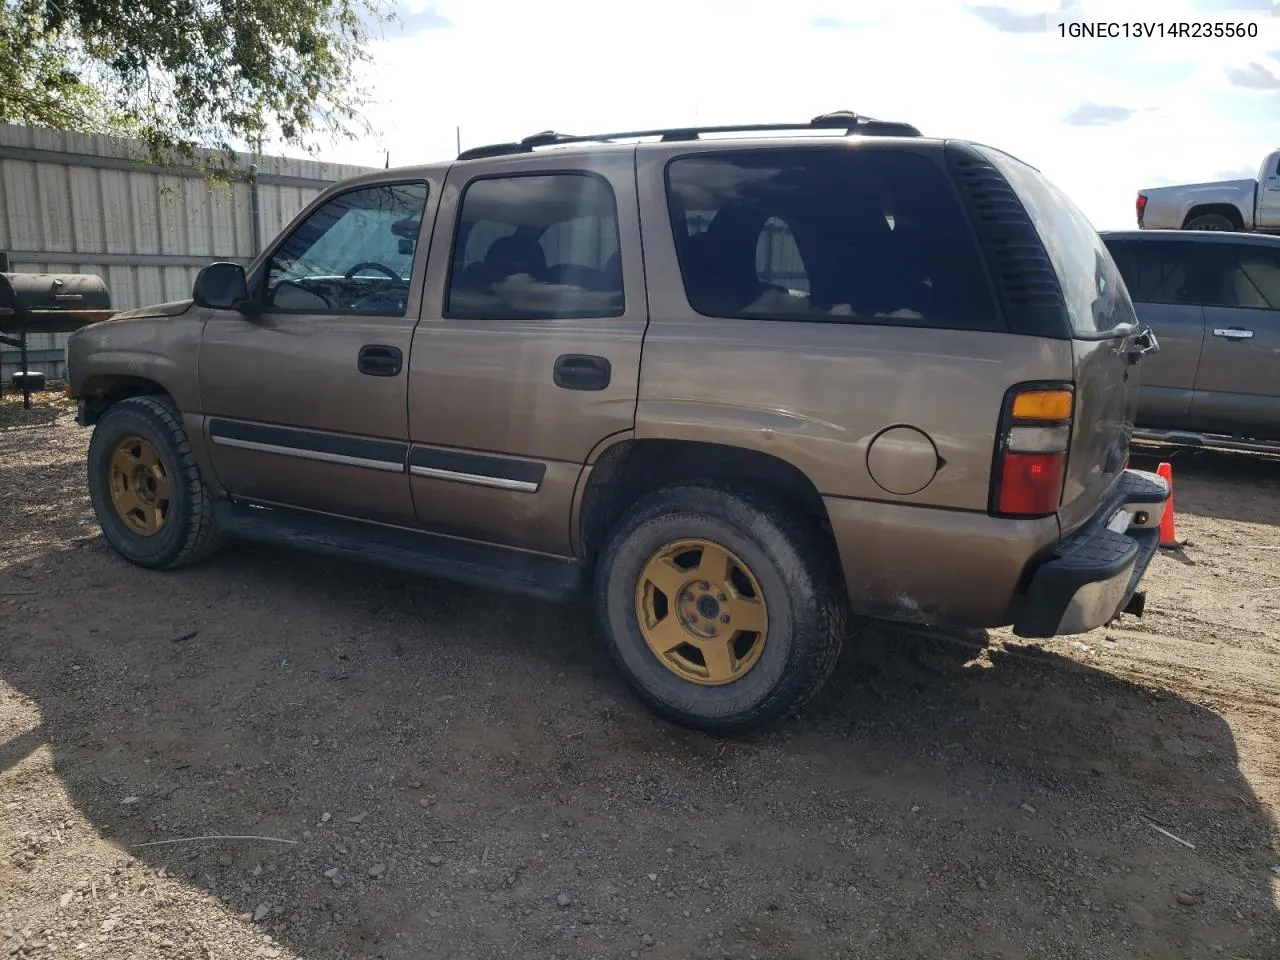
1168	537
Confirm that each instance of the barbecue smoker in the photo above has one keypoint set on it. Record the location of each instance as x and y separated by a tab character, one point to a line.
48	303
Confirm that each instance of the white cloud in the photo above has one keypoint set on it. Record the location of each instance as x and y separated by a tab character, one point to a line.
506	69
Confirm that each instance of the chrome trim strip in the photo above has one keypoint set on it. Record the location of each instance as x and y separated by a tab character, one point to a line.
523	486
305	454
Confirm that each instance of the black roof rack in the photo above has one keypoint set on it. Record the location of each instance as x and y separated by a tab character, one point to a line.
851	123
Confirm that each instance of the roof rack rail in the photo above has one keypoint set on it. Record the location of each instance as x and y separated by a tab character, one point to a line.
853	125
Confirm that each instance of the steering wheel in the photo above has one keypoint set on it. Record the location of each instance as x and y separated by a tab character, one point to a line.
370	265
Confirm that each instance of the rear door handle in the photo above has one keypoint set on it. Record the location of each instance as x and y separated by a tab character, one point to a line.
579	371
1233	333
1143	344
379	360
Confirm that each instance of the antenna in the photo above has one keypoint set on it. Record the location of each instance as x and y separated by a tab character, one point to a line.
457	132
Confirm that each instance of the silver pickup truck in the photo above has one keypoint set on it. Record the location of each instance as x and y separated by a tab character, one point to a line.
1239	205
1213	300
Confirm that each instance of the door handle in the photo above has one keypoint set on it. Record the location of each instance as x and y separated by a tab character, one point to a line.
578	371
1233	333
378	360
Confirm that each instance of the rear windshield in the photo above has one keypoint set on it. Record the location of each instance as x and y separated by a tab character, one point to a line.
1095	295
825	234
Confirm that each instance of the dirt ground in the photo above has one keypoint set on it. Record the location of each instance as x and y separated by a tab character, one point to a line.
448	773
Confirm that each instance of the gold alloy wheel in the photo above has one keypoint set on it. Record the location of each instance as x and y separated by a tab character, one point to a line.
140	489
701	612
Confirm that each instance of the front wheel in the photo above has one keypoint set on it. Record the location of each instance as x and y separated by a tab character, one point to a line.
722	609
146	489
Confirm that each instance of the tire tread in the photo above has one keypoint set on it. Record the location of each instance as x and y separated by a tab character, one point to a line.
827	617
203	535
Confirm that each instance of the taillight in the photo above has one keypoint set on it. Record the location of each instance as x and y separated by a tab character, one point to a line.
1141	206
1031	452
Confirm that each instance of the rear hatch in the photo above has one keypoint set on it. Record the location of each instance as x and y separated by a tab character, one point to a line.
1105	338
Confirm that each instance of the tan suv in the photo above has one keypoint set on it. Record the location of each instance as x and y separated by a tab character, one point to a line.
736	383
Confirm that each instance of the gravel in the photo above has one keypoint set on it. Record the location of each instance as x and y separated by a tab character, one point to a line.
306	685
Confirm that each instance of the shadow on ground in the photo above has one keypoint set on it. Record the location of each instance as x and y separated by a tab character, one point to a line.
947	796
46	405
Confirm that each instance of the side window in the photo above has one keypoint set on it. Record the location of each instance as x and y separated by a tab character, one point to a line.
1253	277
354	255
537	247
1165	272
827	234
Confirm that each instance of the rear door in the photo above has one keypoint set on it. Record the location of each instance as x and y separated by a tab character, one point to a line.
1103	328
1168	281
528	353
1238	383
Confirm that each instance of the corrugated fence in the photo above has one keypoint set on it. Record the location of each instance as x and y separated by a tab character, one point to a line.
74	203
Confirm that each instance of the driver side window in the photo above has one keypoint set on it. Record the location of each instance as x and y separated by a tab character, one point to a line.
353	255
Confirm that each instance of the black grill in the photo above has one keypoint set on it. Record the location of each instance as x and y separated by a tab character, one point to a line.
48	303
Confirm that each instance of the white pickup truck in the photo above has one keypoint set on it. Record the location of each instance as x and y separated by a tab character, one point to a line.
1242	205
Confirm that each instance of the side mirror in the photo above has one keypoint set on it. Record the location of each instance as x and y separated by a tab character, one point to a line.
221	286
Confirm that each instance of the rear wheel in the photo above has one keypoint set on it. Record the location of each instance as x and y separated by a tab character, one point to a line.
721	608
1210	221
146	489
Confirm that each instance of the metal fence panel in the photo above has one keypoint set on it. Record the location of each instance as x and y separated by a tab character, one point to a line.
79	203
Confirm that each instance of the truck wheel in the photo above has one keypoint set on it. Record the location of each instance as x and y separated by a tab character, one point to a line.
146	489
722	609
1210	221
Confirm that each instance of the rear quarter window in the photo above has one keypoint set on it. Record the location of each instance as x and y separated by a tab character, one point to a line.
827	234
1095	295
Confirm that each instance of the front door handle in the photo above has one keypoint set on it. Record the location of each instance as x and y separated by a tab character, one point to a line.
579	371
1233	333
378	360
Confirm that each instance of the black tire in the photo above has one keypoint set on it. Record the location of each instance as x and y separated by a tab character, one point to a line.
190	532
797	572
1211	221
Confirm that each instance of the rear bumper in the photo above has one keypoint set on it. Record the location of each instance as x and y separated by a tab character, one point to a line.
1086	579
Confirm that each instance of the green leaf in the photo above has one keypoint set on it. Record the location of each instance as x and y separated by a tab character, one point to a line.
188	74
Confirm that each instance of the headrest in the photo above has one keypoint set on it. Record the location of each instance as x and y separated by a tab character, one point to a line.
514	255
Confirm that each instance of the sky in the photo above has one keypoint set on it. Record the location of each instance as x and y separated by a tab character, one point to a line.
1102	118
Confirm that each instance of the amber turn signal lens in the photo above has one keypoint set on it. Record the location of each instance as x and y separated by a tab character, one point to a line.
1042	405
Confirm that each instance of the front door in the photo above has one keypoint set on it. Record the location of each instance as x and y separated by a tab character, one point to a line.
304	402
1238	384
528	354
